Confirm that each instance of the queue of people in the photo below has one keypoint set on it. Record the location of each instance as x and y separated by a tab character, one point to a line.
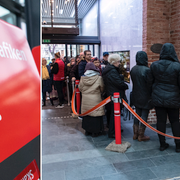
155	87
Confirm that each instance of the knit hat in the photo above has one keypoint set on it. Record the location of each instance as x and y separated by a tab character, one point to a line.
91	66
94	59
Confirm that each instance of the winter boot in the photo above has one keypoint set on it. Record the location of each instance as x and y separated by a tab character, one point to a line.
136	131
163	146
141	136
44	103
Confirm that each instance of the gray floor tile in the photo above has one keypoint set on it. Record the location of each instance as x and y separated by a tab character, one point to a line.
95	178
59	175
145	154
133	165
91	172
167	159
145	174
166	171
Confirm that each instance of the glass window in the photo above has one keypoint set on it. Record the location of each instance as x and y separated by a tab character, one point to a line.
7	16
21	2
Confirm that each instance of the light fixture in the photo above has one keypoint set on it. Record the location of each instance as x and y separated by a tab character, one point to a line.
65	2
56	6
45	11
72	14
61	11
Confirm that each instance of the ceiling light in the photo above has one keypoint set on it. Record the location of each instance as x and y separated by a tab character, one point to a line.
45	11
72	14
65	2
61	11
56	6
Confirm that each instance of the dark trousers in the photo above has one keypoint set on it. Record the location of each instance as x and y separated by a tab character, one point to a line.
143	113
111	122
44	97
59	87
173	115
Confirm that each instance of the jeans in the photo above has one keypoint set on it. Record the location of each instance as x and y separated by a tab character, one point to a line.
59	87
173	115
143	113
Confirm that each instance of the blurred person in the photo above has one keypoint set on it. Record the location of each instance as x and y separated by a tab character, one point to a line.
58	71
104	62
52	62
114	82
97	63
165	82
82	64
91	87
46	80
77	58
141	94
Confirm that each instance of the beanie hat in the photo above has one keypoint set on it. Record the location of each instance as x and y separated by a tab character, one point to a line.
91	66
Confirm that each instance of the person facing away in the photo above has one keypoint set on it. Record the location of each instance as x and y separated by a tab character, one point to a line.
141	94
114	82
91	86
46	80
58	71
164	79
82	64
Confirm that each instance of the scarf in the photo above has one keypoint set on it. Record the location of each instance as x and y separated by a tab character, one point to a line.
45	73
90	73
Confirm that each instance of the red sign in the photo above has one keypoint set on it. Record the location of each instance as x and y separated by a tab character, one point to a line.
36	51
31	172
19	91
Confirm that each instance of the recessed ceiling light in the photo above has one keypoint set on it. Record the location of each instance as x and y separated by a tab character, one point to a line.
56	6
45	11
61	11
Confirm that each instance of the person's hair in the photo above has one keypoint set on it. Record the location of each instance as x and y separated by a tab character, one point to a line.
113	58
95	59
52	59
77	56
86	52
57	54
72	59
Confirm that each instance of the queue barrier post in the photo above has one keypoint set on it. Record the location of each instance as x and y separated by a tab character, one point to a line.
78	98
117	118
72	86
67	84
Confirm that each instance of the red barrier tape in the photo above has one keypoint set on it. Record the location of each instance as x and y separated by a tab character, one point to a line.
146	124
98	106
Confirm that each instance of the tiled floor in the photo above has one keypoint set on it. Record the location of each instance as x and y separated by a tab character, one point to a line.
67	154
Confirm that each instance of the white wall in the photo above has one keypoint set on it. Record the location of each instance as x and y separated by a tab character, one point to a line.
121	26
89	22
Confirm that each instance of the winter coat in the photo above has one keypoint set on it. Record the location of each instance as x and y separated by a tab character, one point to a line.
91	89
141	93
165	79
47	84
81	67
103	65
113	81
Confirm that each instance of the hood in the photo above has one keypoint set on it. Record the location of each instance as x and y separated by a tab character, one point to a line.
141	58
89	81
108	68
168	52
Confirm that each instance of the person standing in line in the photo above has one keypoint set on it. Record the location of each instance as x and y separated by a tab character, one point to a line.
114	82
165	82
141	94
96	62
105	60
46	80
91	86
82	64
58	71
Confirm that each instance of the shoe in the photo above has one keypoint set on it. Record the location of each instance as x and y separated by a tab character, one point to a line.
111	136
87	133
141	136
59	106
51	100
164	146
177	147
136	131
122	130
80	118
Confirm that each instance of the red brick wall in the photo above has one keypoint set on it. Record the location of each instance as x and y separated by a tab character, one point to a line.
175	25
161	24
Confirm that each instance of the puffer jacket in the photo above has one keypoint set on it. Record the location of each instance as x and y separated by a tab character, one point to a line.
141	93
81	67
113	81
91	89
165	79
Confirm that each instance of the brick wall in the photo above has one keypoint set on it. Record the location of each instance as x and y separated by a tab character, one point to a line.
175	25
161	24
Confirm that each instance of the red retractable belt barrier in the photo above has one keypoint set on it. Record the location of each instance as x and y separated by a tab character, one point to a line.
117	118
78	97
19	91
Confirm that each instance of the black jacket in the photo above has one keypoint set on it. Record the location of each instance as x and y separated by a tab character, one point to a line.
81	67
165	79
74	72
113	81
141	93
